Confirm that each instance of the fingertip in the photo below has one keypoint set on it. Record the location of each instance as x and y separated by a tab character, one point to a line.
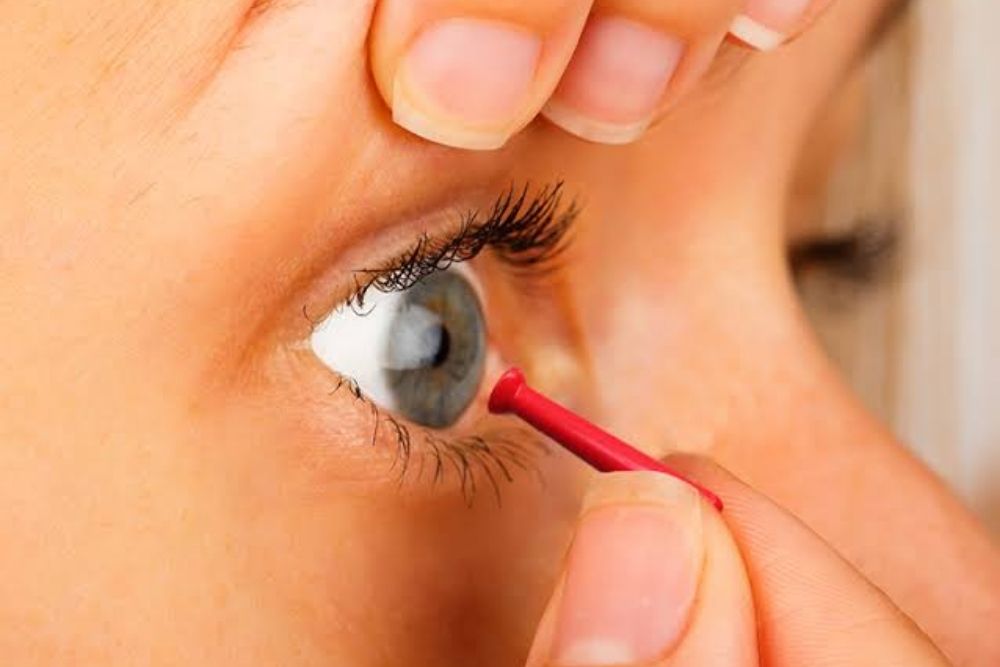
466	74
755	34
651	577
765	25
617	79
591	129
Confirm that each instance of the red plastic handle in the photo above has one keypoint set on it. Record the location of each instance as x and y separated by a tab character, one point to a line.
594	445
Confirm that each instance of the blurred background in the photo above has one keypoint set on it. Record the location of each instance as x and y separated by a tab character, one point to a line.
900	195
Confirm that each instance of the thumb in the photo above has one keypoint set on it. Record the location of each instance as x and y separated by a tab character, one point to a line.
652	578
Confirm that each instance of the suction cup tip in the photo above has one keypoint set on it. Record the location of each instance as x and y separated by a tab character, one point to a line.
503	394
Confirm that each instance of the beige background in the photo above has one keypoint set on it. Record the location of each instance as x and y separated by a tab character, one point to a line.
924	351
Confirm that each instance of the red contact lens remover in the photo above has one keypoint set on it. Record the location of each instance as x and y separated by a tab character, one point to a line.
597	447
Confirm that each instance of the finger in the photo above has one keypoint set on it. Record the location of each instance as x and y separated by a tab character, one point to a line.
471	73
652	578
634	58
812	607
767	24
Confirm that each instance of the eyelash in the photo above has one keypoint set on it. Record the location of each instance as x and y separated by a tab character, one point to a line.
860	257
489	455
527	233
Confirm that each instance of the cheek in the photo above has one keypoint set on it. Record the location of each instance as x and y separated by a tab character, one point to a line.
374	571
439	582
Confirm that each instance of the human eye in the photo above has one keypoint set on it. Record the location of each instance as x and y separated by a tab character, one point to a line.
419	352
414	340
832	270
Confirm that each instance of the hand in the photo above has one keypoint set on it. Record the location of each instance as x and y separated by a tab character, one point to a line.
472	73
656	577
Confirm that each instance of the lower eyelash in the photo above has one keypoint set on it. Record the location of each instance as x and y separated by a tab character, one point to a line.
494	457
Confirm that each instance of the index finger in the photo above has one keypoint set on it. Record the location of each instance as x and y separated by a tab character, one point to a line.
812	606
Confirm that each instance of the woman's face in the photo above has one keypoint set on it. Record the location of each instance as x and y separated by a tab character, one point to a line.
190	192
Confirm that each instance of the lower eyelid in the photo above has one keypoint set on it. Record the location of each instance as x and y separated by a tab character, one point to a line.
483	453
486	462
488	457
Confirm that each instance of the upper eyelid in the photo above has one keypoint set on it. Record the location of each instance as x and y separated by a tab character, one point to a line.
527	230
862	254
341	288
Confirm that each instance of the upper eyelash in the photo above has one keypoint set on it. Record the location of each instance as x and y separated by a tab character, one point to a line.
860	256
524	231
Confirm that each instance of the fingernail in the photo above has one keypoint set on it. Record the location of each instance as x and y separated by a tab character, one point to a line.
465	82
615	81
632	572
766	24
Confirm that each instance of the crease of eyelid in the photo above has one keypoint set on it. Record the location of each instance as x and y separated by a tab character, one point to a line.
490	458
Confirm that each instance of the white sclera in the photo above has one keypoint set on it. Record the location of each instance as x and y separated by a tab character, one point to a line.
356	343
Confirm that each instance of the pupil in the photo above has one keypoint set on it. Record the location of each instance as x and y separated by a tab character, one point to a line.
444	348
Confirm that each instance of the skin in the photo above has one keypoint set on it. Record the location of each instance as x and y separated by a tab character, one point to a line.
183	180
752	586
